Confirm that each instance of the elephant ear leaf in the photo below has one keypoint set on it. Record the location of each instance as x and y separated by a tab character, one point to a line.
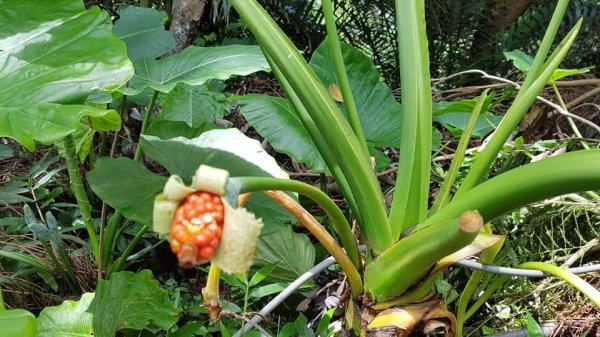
51	63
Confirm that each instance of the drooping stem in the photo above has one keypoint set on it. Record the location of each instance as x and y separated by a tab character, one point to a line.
342	76
80	193
341	225
321	234
587	289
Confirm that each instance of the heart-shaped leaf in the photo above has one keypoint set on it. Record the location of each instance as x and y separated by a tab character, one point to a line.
143	30
228	149
195	66
378	110
127	186
130	300
292	253
194	105
68	319
275	119
60	54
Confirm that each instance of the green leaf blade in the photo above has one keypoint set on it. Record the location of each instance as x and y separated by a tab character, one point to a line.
130	300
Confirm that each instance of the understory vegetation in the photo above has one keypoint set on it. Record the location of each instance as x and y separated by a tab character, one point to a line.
401	138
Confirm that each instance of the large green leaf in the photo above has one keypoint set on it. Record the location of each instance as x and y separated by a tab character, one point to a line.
130	300
455	116
272	214
68	319
378	110
275	119
59	54
17	322
292	253
48	123
127	186
195	66
228	149
194	105
143	30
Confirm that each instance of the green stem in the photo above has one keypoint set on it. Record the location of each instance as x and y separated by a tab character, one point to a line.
145	122
2	307
329	120
587	289
411	196
540	57
489	291
562	104
118	266
515	114
80	193
324	237
443	195
487	257
342	76
341	225
568	173
324	148
113	224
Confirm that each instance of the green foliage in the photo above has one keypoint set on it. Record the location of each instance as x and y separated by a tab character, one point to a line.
17	322
133	193
195	105
275	119
70	318
66	50
195	66
291	253
143	31
130	300
523	62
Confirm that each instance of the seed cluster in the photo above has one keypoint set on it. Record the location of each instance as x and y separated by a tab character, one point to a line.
197	228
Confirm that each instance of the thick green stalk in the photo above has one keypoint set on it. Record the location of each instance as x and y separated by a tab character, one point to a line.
113	224
568	173
329	120
342	76
487	257
409	206
2	307
341	225
443	196
540	56
587	289
80	192
515	114
406	262
324	148
118	266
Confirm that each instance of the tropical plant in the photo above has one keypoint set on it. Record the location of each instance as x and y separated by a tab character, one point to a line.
337	114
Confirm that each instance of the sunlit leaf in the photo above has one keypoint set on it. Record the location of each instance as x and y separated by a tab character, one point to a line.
68	319
195	66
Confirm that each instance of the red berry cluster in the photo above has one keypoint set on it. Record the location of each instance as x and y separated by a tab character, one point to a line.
197	228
